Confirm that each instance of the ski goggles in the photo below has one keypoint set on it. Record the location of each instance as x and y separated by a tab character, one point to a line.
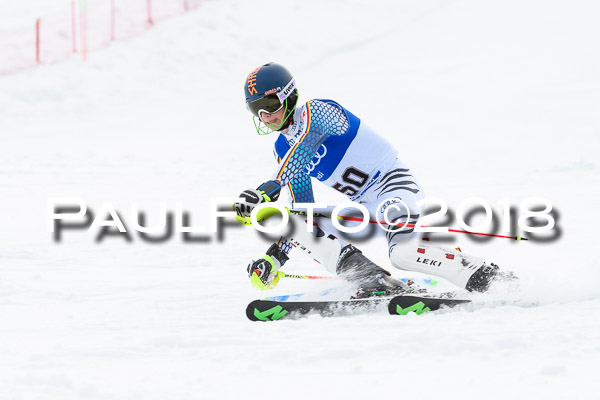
273	102
269	104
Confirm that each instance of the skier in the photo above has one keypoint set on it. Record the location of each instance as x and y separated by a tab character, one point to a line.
321	139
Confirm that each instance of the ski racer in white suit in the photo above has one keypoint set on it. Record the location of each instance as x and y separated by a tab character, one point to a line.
322	140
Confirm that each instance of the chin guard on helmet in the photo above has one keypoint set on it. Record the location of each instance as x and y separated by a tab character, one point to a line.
263	129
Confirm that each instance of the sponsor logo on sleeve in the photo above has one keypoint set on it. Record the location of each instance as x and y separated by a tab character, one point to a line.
310	167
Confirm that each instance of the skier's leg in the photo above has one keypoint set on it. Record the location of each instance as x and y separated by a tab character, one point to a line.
322	247
463	270
395	197
408	252
342	259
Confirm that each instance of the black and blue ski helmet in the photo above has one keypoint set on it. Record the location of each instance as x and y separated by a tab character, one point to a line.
267	88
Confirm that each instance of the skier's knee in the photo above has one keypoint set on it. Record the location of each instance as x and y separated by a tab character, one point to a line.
400	257
401	219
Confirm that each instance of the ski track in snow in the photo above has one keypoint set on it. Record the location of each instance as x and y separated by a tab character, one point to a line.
487	99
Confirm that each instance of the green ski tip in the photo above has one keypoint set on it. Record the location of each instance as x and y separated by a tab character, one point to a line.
418	308
275	313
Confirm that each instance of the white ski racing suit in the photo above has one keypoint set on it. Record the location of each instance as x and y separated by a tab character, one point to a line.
327	142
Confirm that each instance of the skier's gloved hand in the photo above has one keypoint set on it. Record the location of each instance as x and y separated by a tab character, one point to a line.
263	273
268	191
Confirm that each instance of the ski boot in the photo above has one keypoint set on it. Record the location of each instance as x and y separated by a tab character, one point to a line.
481	280
372	280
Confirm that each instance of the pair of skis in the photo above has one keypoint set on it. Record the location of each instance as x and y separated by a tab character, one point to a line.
273	310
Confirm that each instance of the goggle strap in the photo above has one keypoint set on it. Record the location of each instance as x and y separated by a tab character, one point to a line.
287	90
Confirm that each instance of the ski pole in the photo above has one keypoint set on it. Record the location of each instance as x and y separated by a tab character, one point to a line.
355	219
295	276
426	281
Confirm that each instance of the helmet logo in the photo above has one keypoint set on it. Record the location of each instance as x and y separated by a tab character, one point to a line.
271	91
287	90
252	81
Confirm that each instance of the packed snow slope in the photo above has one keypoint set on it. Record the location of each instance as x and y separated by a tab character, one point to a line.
482	98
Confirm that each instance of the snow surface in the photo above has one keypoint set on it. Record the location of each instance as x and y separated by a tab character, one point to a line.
489	99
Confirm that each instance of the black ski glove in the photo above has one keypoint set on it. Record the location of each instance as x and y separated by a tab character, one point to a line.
268	191
263	273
